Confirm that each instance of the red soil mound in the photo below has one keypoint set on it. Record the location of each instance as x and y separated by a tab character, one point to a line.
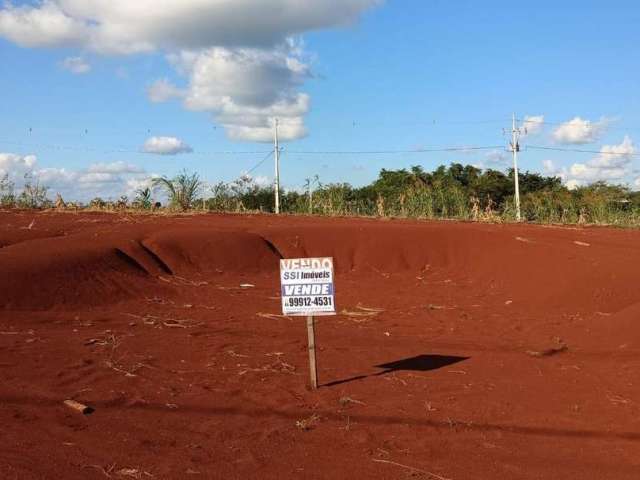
93	269
205	250
531	267
459	351
63	272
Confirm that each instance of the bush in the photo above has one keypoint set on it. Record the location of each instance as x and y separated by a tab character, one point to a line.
143	199
33	194
7	192
182	190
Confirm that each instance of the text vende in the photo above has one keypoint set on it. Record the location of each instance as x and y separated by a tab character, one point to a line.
310	289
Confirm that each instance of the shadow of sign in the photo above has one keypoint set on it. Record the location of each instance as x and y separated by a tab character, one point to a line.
419	363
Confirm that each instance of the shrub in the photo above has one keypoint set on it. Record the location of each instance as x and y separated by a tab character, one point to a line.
143	199
33	194
7	192
182	190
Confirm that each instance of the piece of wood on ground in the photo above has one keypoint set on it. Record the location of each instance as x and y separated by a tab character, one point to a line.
79	407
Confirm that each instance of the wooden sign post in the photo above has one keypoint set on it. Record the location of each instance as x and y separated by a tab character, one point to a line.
313	368
307	290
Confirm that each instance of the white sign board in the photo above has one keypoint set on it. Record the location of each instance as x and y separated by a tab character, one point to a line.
307	286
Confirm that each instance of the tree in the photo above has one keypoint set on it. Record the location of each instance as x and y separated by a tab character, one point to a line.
494	185
7	192
143	198
33	194
182	190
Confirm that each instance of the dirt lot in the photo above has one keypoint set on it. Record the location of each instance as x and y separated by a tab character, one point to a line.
462	351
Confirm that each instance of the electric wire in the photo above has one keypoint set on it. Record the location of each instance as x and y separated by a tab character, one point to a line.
394	152
50	146
579	150
257	165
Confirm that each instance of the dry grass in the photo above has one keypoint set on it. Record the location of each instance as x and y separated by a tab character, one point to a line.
345	401
125	472
181	281
412	469
156	321
308	423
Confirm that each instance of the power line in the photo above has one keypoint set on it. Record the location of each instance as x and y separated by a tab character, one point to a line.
122	150
578	150
88	131
257	165
433	122
254	152
393	152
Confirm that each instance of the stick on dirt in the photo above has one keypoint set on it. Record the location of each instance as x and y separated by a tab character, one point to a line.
78	407
419	470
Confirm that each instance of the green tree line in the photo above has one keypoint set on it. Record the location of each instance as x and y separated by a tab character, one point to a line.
455	191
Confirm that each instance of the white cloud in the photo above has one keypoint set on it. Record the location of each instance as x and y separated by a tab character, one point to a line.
579	131
612	164
245	89
119	167
549	167
45	25
83	185
106	180
162	90
125	26
238	55
76	65
263	181
166	146
497	158
533	124
132	185
573	184
15	165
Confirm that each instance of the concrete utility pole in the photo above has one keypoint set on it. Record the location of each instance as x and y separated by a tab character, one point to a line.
310	195
277	158
515	148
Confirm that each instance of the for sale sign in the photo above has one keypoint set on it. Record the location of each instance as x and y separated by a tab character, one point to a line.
307	286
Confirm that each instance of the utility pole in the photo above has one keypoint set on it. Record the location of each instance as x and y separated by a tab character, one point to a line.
309	184
310	194
515	148
277	158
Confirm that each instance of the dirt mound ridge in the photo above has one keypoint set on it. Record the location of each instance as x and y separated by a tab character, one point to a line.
532	266
205	250
89	270
65	271
614	331
546	268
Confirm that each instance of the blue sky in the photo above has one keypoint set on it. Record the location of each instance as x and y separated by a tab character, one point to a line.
363	75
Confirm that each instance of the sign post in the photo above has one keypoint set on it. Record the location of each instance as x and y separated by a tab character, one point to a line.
307	290
313	366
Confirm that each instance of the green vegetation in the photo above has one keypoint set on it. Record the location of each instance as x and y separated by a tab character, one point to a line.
454	192
33	195
143	199
182	190
7	192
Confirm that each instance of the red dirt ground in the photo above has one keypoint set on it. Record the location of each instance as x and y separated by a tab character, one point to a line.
511	352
